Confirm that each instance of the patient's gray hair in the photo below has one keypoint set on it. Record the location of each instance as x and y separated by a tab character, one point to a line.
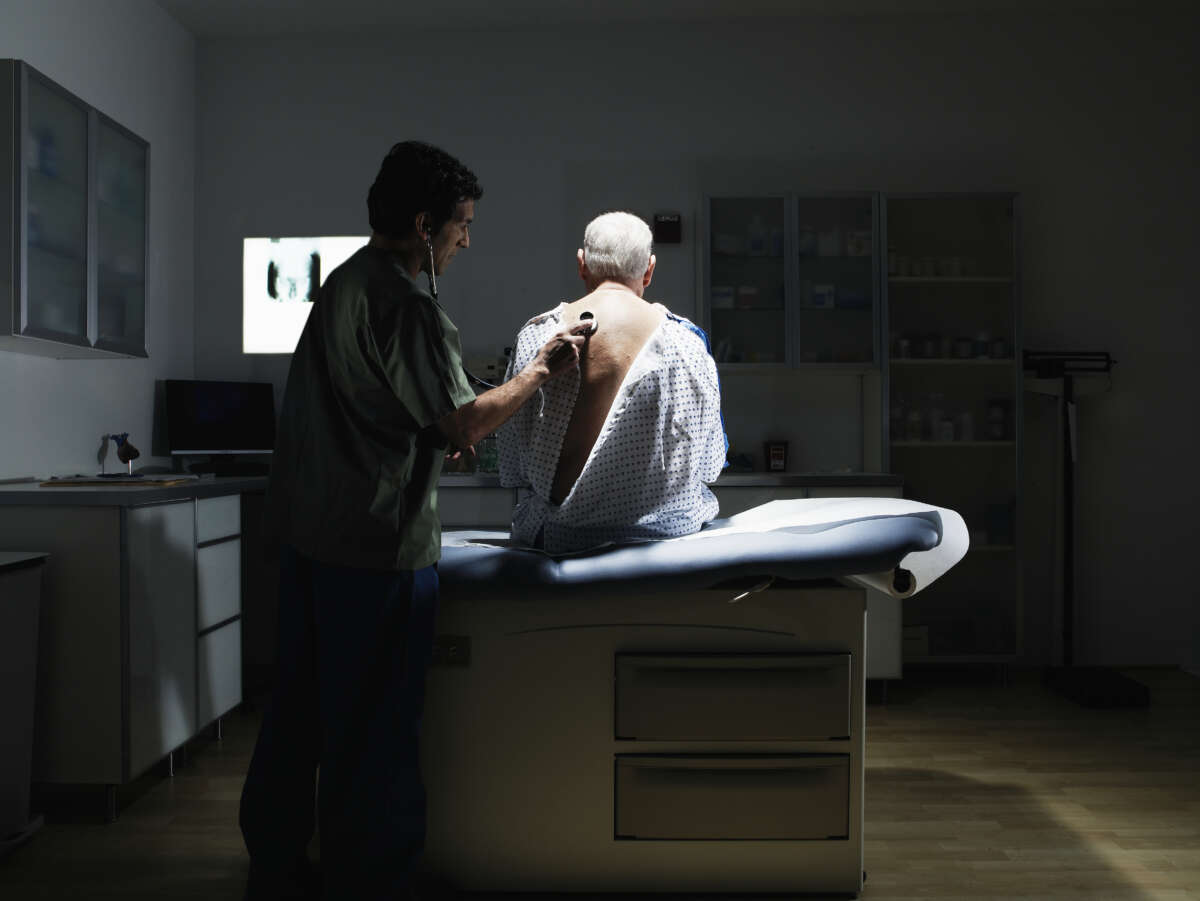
617	246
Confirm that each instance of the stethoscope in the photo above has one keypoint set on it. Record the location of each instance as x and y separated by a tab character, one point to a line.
471	377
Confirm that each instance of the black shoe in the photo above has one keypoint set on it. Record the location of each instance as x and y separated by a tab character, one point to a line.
300	883
429	886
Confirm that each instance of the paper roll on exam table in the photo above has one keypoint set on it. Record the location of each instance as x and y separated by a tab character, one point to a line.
653	717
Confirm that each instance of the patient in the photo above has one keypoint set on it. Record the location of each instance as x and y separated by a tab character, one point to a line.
622	449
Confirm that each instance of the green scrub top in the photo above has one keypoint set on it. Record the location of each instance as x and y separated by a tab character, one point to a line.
358	453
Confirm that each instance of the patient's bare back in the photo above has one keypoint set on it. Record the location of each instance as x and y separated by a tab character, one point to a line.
625	323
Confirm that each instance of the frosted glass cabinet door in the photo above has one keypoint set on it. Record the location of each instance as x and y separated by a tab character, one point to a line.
835	254
747	280
121	170
54	166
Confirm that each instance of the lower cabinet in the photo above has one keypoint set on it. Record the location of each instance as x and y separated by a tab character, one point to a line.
140	638
218	607
648	742
218	672
159	562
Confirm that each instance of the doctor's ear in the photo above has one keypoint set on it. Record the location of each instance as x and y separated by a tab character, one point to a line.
423	225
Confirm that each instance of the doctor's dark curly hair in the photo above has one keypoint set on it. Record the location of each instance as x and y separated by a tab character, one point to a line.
417	177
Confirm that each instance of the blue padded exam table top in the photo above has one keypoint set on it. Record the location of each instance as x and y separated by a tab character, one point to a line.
897	546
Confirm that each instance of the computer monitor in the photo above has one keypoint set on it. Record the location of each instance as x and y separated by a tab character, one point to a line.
211	417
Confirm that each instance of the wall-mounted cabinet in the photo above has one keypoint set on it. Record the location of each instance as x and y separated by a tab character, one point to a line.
74	204
792	280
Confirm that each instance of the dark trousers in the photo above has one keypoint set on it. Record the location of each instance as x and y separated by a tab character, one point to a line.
353	649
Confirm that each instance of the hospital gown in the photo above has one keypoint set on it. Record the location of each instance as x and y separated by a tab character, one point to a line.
646	475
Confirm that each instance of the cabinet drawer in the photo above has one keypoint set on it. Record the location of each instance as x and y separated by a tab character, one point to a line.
219	672
698	797
729	697
218	583
218	517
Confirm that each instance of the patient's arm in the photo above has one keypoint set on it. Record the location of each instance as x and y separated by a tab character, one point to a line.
624	323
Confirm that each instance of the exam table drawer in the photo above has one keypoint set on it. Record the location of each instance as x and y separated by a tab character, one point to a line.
730	697
698	797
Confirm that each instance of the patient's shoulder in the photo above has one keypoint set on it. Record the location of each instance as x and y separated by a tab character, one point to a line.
534	333
688	333
553	315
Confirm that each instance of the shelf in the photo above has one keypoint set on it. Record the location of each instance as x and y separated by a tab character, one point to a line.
954	444
952	361
726	367
134	218
747	309
108	273
746	256
948	280
841	257
56	181
962	658
861	368
834	309
56	252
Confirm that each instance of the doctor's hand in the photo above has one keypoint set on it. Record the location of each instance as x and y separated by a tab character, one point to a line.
561	352
457	453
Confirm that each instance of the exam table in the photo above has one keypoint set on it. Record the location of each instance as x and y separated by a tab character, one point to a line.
683	715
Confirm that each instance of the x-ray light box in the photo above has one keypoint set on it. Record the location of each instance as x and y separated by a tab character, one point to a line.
280	279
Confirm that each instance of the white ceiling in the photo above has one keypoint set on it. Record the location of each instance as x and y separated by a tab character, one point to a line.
246	18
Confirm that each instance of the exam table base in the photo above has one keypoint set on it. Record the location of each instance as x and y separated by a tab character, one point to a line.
524	771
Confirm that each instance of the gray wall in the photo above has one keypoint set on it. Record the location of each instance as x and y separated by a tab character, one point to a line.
136	64
1089	117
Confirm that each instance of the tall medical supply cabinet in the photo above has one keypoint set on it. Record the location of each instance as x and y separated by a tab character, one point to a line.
954	385
74	223
914	301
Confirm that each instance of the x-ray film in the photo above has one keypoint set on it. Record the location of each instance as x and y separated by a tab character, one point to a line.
280	281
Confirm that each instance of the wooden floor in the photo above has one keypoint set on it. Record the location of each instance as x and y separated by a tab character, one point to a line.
975	790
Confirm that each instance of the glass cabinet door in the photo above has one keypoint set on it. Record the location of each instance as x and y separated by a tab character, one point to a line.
55	175
120	239
747	280
835	272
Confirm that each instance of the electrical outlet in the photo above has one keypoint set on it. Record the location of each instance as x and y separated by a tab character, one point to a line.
451	650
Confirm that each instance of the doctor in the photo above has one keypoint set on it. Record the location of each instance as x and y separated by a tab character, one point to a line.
375	393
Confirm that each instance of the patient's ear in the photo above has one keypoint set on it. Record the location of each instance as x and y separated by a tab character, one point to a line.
649	273
583	273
